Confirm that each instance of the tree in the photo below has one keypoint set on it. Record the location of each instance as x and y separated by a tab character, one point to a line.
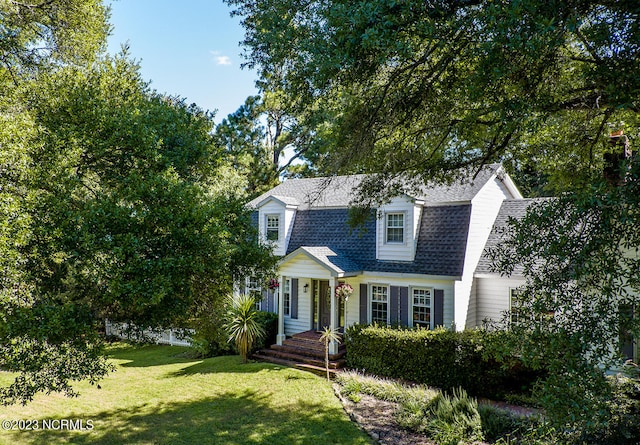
423	88
242	323
579	254
256	136
47	33
328	336
108	214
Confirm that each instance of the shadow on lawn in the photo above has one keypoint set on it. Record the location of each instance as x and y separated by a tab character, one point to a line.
227	364
144	356
227	419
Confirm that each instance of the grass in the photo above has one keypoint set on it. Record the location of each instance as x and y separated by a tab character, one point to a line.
157	396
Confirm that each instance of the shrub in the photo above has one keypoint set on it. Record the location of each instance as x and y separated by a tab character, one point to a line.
242	325
498	423
211	337
622	426
448	419
269	322
439	358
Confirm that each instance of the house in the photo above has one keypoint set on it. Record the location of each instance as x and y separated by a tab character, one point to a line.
411	264
492	294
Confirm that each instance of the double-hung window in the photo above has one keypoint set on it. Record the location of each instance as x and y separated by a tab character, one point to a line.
253	288
421	307
395	228
379	304
273	227
286	293
514	310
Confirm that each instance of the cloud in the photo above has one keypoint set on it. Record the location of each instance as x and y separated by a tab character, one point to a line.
220	59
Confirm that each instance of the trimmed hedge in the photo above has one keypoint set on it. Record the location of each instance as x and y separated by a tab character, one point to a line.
439	358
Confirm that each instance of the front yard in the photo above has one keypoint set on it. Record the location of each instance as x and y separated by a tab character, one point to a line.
157	396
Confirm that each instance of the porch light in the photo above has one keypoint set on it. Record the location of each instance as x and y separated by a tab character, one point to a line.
305	288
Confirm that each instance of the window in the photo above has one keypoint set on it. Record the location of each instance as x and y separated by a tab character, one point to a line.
273	227
253	288
286	292
514	312
421	307
395	227
379	304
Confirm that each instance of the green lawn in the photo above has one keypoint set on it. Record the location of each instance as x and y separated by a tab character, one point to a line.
158	397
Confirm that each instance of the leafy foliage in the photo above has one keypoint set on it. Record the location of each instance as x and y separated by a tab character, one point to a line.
42	35
328	337
414	86
242	324
438	358
107	212
580	259
425	87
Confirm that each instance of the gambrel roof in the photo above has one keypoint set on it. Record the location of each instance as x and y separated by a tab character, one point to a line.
440	247
318	223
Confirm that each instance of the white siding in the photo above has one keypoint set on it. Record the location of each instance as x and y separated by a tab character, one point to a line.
492	297
286	217
484	209
303	322
404	251
304	269
303	266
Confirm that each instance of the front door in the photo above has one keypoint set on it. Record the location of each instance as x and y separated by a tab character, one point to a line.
324	303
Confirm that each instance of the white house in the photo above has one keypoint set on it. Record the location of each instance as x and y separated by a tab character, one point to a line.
412	264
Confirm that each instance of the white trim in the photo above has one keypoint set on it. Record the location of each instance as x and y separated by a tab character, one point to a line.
403	227
286	281
286	205
411	275
370	299
430	306
267	216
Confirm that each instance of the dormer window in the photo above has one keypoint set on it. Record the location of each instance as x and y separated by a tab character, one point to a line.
273	227
395	228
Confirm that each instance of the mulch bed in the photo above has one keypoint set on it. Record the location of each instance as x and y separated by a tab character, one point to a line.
376	418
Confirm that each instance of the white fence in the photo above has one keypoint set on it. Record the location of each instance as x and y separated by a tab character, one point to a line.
166	337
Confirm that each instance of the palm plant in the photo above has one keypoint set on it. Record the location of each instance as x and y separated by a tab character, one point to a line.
328	335
242	323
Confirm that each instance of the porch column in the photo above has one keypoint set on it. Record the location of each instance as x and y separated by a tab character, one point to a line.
333	346
281	335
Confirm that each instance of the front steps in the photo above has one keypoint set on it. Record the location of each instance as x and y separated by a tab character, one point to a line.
304	351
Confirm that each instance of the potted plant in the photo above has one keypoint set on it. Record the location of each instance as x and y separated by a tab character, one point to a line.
344	291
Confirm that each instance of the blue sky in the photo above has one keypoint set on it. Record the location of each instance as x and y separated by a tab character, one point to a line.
188	48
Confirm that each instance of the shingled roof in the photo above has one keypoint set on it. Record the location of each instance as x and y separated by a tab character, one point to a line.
511	208
339	191
440	249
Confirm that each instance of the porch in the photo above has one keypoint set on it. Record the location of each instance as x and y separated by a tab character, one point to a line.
304	350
